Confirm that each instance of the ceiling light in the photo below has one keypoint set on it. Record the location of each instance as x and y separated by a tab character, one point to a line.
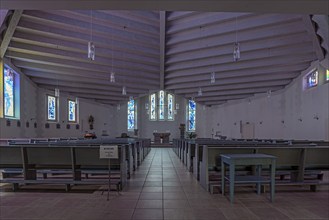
91	50
124	91
236	51
200	92
57	92
212	78
112	77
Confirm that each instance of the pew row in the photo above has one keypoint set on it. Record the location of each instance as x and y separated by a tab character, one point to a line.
70	164
294	166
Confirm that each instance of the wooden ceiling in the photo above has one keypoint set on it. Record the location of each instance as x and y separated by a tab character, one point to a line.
149	50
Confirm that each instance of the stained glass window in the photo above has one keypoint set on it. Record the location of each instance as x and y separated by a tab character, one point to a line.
191	115
327	75
153	107
161	105
131	115
312	79
72	111
170	107
51	108
9	91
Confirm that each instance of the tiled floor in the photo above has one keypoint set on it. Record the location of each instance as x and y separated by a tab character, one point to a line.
163	189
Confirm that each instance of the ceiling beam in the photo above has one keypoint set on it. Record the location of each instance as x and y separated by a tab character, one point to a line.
67	44
10	31
3	15
235	86
82	86
293	50
85	90
162	47
235	91
260	6
241	80
73	81
220	98
256	63
88	66
268	43
310	27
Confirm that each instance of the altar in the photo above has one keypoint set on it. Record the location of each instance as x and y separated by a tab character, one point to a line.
161	138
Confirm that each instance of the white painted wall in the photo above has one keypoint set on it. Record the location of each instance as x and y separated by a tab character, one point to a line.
33	109
287	114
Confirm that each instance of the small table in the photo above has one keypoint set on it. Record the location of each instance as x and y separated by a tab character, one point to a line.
257	160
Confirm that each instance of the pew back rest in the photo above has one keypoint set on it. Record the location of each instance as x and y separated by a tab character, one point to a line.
214	153
88	157
10	157
287	157
317	158
49	156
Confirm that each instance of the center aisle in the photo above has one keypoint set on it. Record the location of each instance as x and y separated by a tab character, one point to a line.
166	190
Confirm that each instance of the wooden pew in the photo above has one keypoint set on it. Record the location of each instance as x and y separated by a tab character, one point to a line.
68	159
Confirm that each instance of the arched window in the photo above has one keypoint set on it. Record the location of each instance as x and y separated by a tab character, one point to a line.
170	107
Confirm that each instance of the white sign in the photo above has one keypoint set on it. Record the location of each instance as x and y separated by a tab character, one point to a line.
108	152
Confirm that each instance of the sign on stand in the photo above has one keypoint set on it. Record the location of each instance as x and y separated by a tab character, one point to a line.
109	152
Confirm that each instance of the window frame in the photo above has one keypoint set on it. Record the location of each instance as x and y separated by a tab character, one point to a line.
75	112
172	106
14	95
308	76
188	116
161	107
151	106
56	109
134	114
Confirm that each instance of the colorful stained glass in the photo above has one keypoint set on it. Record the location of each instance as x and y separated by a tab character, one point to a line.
161	105
312	79
153	107
327	75
191	115
131	115
9	91
72	111
170	107
51	103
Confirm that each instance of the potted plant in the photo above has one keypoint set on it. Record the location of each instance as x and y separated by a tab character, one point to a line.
191	135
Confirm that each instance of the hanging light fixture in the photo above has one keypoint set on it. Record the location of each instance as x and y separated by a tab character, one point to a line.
124	90
57	92
91	45
112	77
200	92
269	92
212	78
57	89
236	48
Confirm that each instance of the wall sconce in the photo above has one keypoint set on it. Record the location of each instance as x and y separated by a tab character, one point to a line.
177	106
261	122
316	117
146	106
175	112
118	107
282	121
300	119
